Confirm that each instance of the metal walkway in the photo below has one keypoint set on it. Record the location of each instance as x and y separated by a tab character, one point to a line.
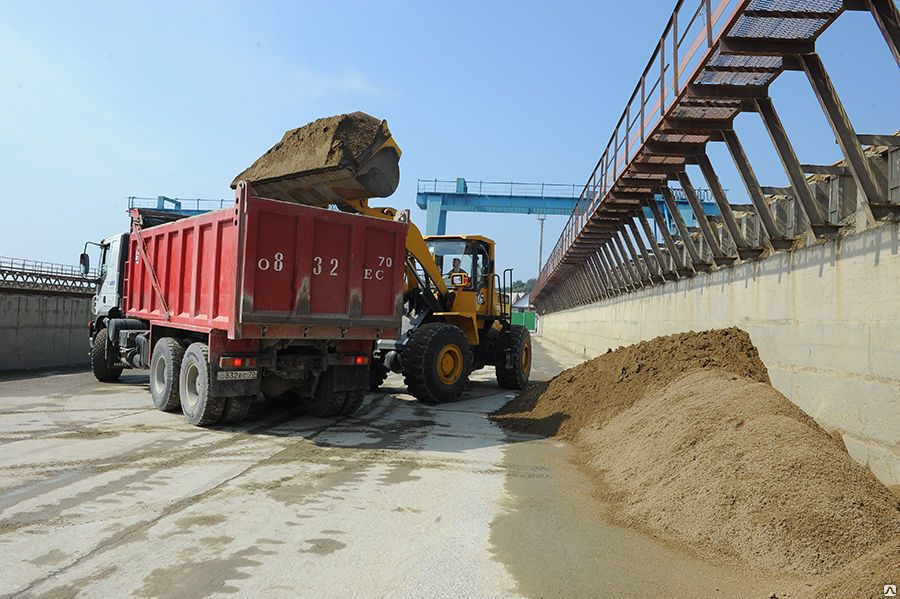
30	276
713	61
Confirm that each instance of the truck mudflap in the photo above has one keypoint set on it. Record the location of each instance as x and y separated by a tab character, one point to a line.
346	377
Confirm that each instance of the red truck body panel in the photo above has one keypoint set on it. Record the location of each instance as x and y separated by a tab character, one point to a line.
269	269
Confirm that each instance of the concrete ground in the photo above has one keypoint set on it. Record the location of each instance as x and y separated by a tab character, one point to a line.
103	496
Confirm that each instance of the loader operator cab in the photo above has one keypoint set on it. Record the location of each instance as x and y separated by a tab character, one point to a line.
470	256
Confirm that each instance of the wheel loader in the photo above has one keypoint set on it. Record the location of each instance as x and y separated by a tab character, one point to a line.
456	310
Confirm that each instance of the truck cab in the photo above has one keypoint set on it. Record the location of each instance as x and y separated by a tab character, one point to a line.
107	301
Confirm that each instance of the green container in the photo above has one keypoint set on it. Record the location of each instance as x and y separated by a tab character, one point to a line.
525	319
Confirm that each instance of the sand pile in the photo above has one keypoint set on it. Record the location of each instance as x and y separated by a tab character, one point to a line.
324	143
592	393
693	442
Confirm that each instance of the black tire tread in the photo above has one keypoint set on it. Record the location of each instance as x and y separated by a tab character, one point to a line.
176	356
513	378
417	363
325	402
378	373
352	402
213	406
103	372
236	409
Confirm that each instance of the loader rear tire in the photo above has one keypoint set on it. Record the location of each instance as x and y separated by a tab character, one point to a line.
517	376
437	362
103	370
236	409
200	406
165	366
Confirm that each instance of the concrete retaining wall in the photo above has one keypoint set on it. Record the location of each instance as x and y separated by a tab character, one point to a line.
826	320
42	331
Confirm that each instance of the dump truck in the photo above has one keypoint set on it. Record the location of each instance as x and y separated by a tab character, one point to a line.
263	296
455	303
303	290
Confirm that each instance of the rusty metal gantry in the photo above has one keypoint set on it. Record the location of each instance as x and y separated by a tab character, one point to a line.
713	61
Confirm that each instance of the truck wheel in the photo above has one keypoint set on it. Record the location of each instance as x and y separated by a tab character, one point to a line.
200	407
100	364
326	402
352	401
165	366
437	362
236	409
517	376
377	374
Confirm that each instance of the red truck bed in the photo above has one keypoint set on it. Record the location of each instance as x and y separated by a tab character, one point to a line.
265	268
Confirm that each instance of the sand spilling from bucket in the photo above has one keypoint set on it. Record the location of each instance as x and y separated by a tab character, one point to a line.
693	442
323	143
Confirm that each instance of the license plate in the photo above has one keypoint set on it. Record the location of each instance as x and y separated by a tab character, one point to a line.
236	375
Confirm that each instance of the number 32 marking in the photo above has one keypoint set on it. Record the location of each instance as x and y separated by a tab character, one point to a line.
317	266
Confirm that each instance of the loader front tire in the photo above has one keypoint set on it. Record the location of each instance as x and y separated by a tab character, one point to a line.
103	370
437	361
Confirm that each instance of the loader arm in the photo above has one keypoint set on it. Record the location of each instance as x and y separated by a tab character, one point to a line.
415	242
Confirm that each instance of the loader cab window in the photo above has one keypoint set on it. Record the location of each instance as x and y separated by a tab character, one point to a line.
457	255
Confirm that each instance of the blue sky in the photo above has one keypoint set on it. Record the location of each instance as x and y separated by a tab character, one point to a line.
101	101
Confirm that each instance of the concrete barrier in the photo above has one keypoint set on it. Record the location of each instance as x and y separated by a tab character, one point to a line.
43	331
826	320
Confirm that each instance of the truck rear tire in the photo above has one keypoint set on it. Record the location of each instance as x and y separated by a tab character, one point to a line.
165	367
352	401
236	409
100	364
517	376
437	362
326	402
199	405
377	374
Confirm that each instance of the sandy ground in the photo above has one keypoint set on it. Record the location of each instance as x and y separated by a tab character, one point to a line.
103	496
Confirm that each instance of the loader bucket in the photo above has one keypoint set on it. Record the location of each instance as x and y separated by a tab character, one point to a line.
333	160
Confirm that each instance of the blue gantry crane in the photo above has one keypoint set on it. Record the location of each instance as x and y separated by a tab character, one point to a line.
439	197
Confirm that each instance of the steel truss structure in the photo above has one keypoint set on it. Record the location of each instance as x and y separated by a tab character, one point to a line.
714	61
31	276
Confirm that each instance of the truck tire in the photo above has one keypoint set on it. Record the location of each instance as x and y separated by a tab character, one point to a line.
437	362
517	376
100	364
199	405
377	374
236	409
352	401
326	402
165	366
